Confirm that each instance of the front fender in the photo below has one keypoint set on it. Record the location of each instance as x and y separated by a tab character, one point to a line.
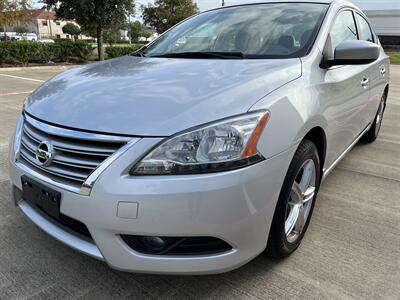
295	110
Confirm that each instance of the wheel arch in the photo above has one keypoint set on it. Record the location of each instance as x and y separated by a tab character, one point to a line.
386	90
317	136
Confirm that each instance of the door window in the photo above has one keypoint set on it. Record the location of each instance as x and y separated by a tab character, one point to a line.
344	29
364	30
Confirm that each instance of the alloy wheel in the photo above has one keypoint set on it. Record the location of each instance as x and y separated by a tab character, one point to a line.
300	201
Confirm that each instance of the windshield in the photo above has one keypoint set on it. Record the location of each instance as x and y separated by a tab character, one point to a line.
272	30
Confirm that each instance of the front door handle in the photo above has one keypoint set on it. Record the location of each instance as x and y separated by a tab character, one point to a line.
364	82
383	70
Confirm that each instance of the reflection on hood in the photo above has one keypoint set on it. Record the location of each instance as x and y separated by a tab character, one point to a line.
157	96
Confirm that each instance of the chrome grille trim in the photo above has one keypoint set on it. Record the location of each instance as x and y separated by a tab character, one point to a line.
88	184
53	171
63	132
41	177
80	157
60	143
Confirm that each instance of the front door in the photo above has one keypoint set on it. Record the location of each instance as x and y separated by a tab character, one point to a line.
348	92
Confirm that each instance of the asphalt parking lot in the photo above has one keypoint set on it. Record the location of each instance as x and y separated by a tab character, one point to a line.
351	250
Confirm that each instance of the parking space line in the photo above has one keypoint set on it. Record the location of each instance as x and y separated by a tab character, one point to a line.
24	78
17	93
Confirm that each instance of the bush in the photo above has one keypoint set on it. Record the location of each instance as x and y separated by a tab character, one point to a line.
116	51
25	52
123	42
73	51
92	41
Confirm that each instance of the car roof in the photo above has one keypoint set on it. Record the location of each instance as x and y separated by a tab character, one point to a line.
245	2
238	3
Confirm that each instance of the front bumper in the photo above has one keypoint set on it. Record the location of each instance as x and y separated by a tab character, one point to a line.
235	206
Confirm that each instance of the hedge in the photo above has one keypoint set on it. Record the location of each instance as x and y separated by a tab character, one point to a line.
25	52
116	51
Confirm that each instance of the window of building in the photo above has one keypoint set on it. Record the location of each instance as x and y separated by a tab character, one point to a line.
58	23
58	36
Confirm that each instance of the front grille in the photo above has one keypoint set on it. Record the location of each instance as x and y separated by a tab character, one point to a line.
75	158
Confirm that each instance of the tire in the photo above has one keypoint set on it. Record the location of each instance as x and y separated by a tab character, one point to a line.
297	197
372	134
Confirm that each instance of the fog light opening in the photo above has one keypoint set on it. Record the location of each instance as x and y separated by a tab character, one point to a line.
154	243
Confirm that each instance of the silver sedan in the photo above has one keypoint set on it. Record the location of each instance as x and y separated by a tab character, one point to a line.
207	147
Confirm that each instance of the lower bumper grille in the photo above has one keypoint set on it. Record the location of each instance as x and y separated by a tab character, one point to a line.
68	223
74	225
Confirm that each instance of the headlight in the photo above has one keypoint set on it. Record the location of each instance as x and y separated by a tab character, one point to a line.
15	144
221	146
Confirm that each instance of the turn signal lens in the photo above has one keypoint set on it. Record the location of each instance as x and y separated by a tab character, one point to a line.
251	147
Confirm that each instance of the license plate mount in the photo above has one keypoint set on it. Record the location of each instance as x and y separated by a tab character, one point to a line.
39	195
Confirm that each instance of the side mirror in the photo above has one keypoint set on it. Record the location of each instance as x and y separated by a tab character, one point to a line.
354	53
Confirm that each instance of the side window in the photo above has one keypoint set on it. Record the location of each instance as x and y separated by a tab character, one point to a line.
364	30
344	29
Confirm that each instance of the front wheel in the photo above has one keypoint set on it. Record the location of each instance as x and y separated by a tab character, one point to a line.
296	201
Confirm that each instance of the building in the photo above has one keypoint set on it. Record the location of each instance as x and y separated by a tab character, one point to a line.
46	25
384	16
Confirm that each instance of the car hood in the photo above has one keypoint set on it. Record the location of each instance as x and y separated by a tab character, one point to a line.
156	96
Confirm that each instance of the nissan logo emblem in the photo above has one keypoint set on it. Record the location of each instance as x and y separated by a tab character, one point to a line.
45	153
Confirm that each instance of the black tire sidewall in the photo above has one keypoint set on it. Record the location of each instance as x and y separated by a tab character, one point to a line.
278	240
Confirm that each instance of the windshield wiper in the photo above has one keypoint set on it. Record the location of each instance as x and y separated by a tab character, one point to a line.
220	55
139	52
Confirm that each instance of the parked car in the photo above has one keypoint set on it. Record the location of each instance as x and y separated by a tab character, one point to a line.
194	158
4	37
16	37
29	36
46	41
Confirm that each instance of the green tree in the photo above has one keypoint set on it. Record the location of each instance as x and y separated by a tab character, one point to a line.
166	13
72	29
13	12
147	34
21	29
136	30
112	35
94	15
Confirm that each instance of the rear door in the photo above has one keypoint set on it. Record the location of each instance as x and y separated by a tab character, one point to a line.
377	71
